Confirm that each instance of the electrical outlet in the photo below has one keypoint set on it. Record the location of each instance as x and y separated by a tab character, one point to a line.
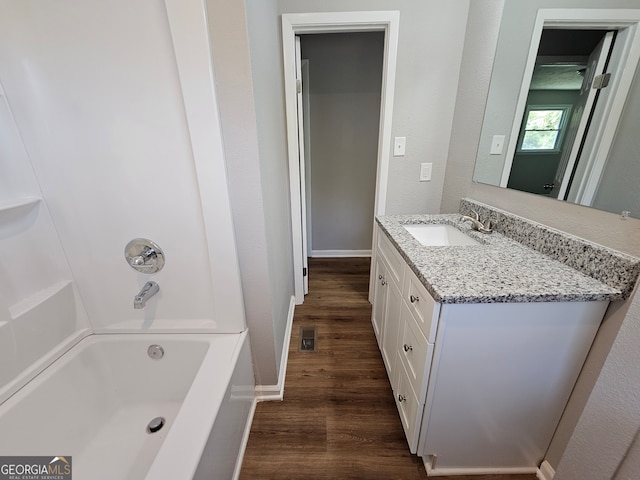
425	172
399	144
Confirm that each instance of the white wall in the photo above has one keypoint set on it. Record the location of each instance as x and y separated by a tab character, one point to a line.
607	229
98	100
345	81
40	312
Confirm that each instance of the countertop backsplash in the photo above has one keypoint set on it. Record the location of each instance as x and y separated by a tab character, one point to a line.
613	268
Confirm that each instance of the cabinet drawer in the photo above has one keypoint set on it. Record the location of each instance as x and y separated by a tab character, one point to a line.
393	258
415	353
409	408
424	309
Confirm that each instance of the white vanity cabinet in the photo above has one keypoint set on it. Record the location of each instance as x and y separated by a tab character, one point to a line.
414	349
387	281
404	319
480	387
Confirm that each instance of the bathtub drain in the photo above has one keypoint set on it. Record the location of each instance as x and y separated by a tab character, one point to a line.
155	424
155	351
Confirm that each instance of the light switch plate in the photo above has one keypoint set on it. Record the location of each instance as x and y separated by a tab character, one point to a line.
425	172
497	145
399	144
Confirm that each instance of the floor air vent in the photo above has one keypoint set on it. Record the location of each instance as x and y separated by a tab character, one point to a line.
308	339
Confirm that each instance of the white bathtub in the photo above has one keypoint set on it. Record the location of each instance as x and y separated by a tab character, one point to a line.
95	402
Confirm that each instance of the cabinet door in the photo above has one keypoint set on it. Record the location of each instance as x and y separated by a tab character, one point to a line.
391	330
379	299
409	408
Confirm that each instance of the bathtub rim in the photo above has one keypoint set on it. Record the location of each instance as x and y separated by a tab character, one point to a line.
202	396
197	428
31	372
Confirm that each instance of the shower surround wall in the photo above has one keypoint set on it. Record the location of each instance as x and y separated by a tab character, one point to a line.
97	107
39	304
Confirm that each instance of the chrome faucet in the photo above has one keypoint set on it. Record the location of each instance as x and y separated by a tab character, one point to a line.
148	291
476	224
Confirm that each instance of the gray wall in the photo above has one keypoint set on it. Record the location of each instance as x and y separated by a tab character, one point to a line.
266	67
612	363
619	185
345	78
430	47
423	112
258	190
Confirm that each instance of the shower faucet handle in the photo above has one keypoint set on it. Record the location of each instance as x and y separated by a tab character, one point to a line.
147	255
144	255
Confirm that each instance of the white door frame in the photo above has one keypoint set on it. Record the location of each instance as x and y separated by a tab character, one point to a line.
299	23
621	81
302	161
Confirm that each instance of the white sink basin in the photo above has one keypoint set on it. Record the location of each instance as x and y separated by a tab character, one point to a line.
434	235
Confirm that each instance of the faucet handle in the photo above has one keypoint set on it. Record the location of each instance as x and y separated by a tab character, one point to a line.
144	255
476	215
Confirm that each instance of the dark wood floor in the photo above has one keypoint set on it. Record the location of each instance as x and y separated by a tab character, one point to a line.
338	419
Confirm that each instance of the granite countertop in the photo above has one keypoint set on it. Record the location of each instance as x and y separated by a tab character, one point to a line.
496	271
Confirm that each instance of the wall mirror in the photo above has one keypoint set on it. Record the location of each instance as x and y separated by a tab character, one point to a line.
563	112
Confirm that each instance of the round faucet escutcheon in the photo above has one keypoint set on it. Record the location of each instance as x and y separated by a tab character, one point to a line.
144	255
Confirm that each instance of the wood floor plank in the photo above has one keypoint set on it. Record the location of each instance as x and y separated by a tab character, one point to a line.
338	419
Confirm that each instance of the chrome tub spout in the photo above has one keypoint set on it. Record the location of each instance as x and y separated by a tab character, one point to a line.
148	291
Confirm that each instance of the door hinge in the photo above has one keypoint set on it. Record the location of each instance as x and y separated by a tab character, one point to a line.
601	81
298	86
304	272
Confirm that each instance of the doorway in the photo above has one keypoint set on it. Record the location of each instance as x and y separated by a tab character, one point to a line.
341	94
295	25
559	105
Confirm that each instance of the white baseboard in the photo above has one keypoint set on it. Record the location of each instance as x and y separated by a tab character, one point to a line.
245	439
340	253
546	471
265	393
437	472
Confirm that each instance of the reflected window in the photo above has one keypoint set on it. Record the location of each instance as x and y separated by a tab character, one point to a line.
543	129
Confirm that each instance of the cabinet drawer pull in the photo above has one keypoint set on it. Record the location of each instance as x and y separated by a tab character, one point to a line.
414	299
380	277
401	398
384	282
407	347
